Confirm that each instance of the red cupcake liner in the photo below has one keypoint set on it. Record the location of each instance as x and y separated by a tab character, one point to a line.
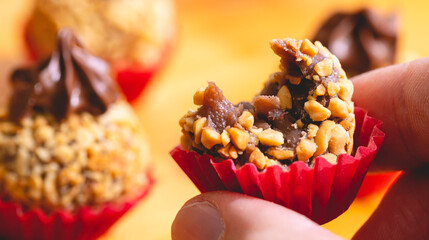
321	193
86	223
134	78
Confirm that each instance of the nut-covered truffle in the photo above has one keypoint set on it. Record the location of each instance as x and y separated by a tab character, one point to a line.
303	112
69	140
362	41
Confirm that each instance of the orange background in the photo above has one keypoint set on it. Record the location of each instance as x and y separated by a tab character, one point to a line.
226	42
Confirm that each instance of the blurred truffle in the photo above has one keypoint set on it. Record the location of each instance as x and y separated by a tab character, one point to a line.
362	40
134	36
69	139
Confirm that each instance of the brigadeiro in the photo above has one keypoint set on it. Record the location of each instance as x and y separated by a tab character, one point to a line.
300	142
73	158
134	36
363	40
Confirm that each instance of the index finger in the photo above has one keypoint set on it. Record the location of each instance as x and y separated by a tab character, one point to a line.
399	96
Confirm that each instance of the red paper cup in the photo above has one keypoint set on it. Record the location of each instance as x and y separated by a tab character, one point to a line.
133	80
86	223
321	193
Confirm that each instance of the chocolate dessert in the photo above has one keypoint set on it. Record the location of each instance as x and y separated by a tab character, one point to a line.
304	111
69	139
362	41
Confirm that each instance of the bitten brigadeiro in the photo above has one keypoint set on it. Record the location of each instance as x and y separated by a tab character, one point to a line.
300	142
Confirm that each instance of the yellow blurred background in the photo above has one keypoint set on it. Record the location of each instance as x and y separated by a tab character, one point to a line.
225	41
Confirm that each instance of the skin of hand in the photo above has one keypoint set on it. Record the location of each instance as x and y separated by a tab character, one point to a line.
399	96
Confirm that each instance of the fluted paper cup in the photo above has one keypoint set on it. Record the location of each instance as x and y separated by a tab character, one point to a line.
322	192
85	223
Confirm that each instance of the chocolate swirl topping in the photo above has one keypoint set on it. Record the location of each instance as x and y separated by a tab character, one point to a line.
362	41
71	81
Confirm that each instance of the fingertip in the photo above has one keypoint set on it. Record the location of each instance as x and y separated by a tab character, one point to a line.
243	217
398	96
198	220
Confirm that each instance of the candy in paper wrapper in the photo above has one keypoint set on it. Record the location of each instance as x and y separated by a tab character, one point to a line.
73	157
85	223
300	142
322	192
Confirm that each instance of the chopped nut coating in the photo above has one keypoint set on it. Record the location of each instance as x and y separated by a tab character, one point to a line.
285	98
323	136
270	137
233	152
239	137
280	154
338	108
317	111
312	130
84	160
198	128
246	120
258	158
333	88
210	137
308	48
305	149
224	137
338	140
324	68
320	90
224	151
346	89
199	96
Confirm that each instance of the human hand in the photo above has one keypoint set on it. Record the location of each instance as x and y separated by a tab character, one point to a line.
398	96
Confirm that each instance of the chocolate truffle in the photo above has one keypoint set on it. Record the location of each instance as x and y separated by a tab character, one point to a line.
304	111
69	139
362	41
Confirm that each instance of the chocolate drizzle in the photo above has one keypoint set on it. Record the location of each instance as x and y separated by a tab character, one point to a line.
362	41
71	81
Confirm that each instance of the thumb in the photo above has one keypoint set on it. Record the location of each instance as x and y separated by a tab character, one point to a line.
227	215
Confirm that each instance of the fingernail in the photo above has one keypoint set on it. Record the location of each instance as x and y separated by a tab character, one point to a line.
200	220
